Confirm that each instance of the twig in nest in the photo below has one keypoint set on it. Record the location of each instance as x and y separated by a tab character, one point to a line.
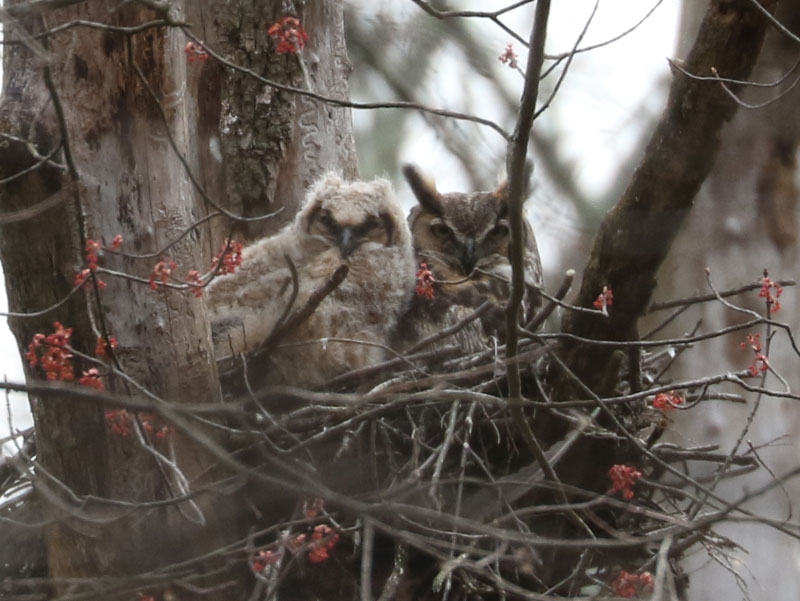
311	305
287	325
292	298
509	489
449	331
552	303
363	373
284	326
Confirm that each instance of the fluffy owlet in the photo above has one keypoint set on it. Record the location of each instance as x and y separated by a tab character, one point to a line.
464	239
359	224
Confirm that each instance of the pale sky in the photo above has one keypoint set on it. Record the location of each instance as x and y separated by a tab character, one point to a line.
602	92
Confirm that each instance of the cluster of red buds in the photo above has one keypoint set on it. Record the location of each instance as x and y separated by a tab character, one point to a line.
604	300
289	34
509	57
760	363
92	254
632	585
195	52
666	401
161	273
623	477
318	548
52	352
771	291
228	258
425	281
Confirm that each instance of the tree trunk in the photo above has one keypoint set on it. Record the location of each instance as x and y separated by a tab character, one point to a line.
249	148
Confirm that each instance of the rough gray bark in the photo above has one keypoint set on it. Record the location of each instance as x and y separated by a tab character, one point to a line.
272	140
253	150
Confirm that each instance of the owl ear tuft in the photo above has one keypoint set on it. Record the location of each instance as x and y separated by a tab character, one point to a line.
383	187
424	189
330	180
502	189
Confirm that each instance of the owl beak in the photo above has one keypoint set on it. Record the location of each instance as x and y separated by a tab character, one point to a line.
347	241
469	258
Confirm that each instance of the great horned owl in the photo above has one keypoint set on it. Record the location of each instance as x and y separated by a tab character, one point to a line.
464	238
359	224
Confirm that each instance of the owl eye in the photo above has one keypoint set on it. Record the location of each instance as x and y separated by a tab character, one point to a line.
499	231
328	221
370	223
441	231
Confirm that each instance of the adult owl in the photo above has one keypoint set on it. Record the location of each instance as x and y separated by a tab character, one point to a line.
464	238
358	224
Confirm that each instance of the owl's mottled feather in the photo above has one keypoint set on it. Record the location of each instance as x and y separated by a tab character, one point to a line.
464	238
359	224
